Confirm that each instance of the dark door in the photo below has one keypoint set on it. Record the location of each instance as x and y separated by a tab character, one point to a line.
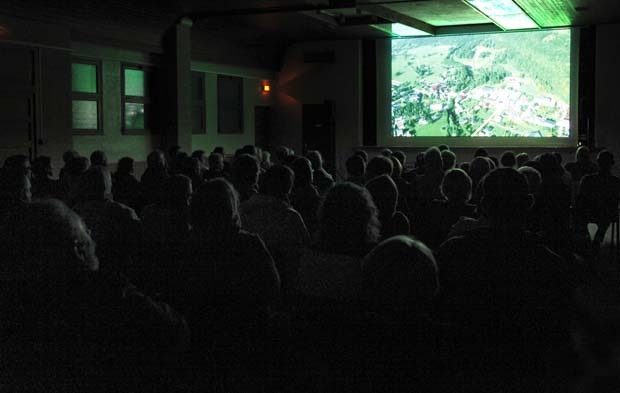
318	132
262	127
17	101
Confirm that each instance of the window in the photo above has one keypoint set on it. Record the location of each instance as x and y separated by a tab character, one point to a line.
199	125
86	102
230	104
136	102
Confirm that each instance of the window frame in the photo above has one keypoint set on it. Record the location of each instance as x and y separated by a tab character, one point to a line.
146	99
241	119
97	97
199	103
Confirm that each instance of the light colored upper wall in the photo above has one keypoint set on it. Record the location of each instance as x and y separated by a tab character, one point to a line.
607	88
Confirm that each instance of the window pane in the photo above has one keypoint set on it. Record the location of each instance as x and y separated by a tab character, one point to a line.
197	87
198	118
134	82
84	78
134	116
85	115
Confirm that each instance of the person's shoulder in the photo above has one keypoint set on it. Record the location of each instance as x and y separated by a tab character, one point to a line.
122	209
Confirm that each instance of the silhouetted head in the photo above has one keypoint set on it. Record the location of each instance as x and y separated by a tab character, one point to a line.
443	147
465	166
400	276
419	160
505	197
432	159
173	151
362	153
249	149
216	162
508	159
385	195
42	166
303	172
315	159
522	158
95	184
218	150
280	153
215	208
77	166
156	160
582	154
69	155
189	166
15	187
379	165
479	167
534	179
265	159
549	165
348	218
245	169
558	157
356	166
125	166
448	159
98	158
397	168
456	185
48	239
176	190
481	152
401	156
277	182
386	152
201	156
18	162
605	160
290	159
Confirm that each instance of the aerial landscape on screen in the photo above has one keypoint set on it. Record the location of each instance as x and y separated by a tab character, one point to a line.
484	85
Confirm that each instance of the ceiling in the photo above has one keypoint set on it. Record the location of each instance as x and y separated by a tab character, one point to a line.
302	20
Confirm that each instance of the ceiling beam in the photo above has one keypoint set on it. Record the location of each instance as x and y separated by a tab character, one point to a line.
398	17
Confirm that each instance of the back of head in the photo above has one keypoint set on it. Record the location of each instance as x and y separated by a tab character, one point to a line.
605	160
505	196
448	159
385	195
456	185
481	152
315	158
42	166
69	155
379	165
432	159
362	153
508	159
48	238
558	157
400	276
216	162
218	150
77	166
356	166
534	179
401	156
249	149
199	154
303	172
549	165
443	147
479	167
176	190
280	153
397	168
215	208
125	166
95	184
15	187
522	158
98	158
18	162
348	217
582	154
386	152
277	181
245	169
156	160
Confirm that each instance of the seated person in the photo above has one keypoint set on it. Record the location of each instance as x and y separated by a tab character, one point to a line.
356	169
15	191
43	185
322	179
377	166
304	196
509	294
115	227
583	164
154	175
281	227
348	229
216	167
68	326
597	199
245	173
385	195
444	213
125	187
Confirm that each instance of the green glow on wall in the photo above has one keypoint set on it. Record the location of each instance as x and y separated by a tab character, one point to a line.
84	78
550	13
134	82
